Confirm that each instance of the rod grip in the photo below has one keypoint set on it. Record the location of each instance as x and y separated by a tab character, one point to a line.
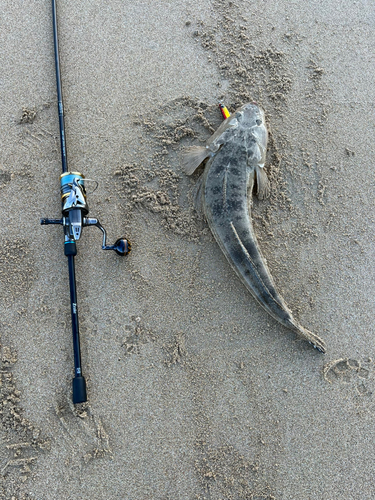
79	390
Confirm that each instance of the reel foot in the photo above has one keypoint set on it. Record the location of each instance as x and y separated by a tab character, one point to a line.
79	390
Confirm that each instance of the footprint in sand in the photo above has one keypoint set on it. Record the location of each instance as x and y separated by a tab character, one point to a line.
136	336
22	442
83	432
351	372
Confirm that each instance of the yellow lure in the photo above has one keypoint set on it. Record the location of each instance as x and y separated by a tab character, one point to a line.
224	111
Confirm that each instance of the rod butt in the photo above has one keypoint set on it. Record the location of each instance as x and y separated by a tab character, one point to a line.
79	390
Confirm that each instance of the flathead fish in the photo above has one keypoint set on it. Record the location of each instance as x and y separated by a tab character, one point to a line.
236	156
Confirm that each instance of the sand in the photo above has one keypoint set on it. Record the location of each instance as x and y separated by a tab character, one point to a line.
194	391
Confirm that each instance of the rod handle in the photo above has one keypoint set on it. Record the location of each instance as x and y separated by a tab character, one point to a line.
79	390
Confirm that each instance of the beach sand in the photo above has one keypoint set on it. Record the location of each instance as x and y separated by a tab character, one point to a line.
194	391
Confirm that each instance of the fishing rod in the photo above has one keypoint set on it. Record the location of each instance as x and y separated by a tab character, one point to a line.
74	217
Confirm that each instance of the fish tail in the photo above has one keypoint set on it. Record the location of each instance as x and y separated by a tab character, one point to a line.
311	338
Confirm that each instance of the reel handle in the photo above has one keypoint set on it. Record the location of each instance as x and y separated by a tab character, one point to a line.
121	247
45	222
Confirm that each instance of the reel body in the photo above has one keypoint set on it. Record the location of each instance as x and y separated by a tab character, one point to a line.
74	207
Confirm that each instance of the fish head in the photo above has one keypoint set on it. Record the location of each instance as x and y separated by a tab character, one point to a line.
252	123
246	126
250	115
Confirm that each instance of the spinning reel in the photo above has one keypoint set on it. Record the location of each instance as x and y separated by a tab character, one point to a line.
75	210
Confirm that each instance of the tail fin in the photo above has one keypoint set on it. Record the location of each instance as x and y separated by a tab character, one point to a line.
311	338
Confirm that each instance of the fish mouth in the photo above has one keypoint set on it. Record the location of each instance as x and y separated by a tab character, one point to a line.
250	106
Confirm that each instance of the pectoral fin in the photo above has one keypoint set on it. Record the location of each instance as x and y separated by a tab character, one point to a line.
263	184
193	157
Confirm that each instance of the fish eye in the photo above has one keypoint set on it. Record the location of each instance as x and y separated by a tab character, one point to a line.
259	122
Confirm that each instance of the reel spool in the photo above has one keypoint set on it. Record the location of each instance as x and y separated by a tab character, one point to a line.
73	192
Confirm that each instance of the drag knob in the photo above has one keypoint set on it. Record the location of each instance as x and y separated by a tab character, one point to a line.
122	246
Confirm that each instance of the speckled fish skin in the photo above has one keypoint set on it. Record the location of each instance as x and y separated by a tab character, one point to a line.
228	182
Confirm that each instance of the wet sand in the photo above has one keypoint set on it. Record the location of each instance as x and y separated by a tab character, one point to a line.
194	391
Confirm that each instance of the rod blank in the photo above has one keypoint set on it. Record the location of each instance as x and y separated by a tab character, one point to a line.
64	158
